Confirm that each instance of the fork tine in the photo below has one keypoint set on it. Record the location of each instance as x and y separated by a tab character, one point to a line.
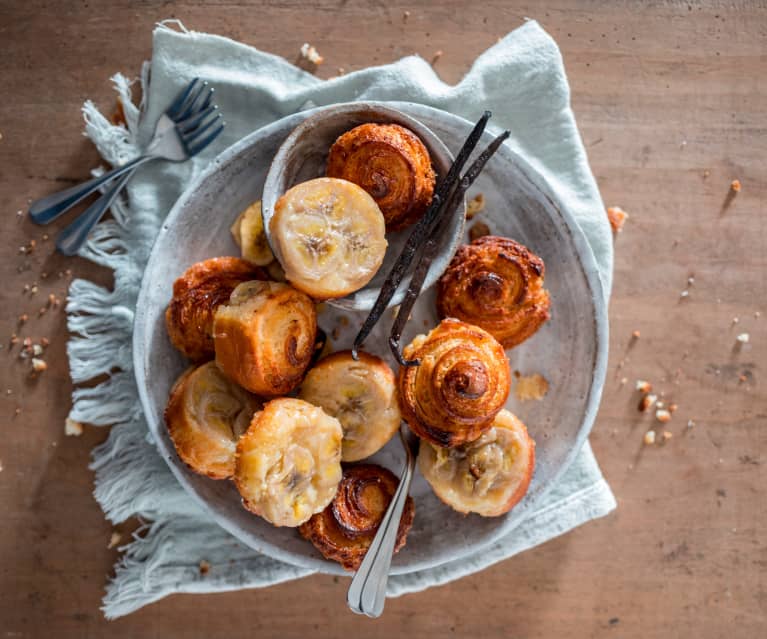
196	148
192	137
174	109
194	105
187	126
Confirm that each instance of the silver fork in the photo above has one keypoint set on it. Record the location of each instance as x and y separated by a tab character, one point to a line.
367	592
189	125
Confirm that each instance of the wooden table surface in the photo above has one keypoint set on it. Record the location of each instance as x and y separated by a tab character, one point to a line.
672	102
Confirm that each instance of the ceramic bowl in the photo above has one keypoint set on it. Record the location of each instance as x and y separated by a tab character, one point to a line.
303	156
570	350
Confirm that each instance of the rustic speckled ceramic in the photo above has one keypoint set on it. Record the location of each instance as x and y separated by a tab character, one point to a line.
303	156
570	350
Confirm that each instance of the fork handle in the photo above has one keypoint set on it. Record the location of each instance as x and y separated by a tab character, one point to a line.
74	236
48	208
367	592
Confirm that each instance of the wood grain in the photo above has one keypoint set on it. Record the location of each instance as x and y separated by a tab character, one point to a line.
671	101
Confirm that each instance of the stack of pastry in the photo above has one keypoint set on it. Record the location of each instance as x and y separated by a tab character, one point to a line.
253	408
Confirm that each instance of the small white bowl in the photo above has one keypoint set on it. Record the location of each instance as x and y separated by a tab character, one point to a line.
303	156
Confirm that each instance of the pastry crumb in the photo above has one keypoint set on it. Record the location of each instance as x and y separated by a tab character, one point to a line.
476	205
647	402
667	435
480	229
114	539
310	54
636	334
204	567
624	381
684	293
662	415
690	423
743	338
617	217
643	386
435	58
735	186
649	438
72	428
531	387
39	365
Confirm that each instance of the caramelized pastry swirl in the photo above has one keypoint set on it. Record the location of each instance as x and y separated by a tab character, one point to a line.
205	416
461	384
264	337
392	164
196	296
487	476
496	284
344	531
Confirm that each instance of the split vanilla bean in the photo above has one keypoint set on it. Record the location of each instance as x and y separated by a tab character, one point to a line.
430	249
420	233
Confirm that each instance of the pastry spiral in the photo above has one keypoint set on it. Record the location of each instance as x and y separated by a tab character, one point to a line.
288	463
361	394
196	296
264	337
329	236
497	284
392	164
487	476
459	387
344	531
205	416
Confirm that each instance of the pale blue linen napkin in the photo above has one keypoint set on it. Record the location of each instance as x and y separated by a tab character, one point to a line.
521	79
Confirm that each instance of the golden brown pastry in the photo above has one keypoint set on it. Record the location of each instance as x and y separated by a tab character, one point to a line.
249	234
205	416
264	336
487	476
288	463
328	235
461	384
392	164
344	531
196	296
362	395
497	284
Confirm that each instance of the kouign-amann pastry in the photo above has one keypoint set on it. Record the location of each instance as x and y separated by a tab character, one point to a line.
487	476
392	164
328	235
288	463
264	337
249	234
497	284
461	384
205	416
361	394
344	531
196	296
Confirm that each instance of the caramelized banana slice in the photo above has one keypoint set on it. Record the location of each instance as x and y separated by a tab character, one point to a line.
249	234
328	234
362	395
288	463
487	476
205	416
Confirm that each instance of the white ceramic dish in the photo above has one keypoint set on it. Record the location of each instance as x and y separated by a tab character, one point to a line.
570	350
303	156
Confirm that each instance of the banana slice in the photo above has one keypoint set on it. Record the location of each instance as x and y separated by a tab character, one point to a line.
288	463
249	234
205	416
362	395
487	476
328	234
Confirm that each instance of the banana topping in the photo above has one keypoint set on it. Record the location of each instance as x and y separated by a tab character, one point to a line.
487	476
249	234
328	234
362	395
288	463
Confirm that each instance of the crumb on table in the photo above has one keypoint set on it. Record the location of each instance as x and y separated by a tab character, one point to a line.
735	186
72	428
617	217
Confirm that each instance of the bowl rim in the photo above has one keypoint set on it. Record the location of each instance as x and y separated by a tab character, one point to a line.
585	259
379	112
